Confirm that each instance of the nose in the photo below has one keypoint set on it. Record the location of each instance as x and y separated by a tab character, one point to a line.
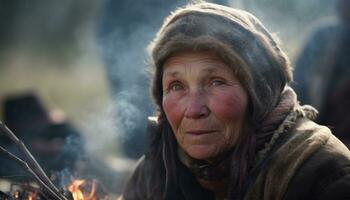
197	107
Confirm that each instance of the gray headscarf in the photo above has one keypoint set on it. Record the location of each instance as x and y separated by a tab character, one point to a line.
238	38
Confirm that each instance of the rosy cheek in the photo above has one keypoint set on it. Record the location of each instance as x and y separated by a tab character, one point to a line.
232	106
173	110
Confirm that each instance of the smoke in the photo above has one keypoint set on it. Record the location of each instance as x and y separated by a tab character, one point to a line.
129	115
100	129
124	32
64	178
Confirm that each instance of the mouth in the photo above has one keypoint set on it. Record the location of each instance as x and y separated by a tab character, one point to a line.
200	132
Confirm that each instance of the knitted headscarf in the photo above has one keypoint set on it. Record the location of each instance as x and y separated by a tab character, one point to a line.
235	36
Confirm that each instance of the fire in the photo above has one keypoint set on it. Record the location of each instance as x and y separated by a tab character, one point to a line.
79	194
32	196
80	190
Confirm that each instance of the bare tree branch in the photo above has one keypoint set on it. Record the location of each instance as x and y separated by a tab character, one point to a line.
28	169
31	164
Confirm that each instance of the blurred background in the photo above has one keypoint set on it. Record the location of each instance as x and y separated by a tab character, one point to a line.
72	53
85	60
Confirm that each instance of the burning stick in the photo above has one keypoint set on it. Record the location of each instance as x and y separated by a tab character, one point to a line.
31	164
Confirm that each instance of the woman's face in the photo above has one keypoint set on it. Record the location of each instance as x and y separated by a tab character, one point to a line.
204	103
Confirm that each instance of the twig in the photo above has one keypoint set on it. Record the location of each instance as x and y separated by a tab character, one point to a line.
30	188
31	162
25	165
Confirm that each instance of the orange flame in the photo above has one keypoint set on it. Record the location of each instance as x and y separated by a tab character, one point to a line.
79	194
32	196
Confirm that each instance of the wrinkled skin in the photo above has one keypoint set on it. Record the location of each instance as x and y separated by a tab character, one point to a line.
204	103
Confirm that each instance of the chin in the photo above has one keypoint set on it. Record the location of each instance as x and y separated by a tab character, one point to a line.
201	152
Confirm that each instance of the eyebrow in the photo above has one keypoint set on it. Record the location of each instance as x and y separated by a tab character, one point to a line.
211	69
172	73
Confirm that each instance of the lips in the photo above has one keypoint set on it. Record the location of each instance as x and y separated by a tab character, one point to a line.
200	132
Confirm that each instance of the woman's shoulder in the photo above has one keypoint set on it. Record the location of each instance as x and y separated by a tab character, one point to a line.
303	164
325	170
320	139
308	142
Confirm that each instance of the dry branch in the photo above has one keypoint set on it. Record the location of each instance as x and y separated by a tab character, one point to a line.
31	164
28	169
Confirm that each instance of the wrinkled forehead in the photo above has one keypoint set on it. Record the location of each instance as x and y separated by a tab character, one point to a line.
204	61
188	57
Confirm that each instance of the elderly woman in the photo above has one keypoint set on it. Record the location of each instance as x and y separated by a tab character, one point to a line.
229	126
